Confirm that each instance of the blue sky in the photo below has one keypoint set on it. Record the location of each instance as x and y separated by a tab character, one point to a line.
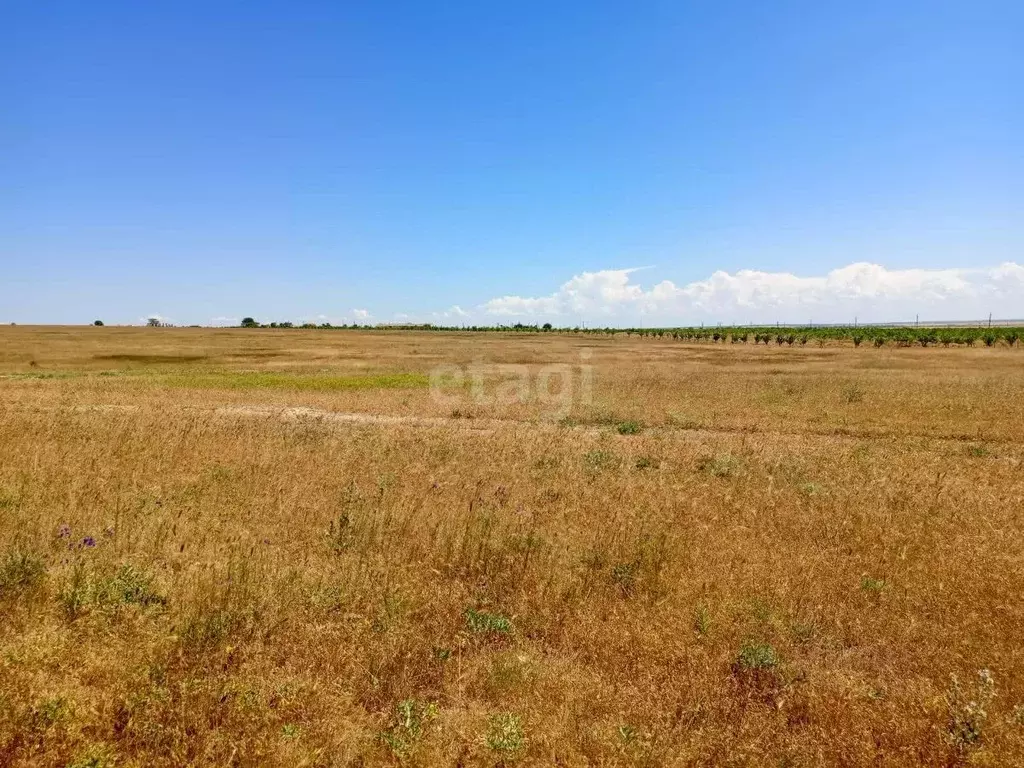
307	160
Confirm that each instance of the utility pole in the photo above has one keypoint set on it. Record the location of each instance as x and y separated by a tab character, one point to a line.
989	319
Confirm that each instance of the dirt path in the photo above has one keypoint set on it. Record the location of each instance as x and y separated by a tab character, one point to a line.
298	413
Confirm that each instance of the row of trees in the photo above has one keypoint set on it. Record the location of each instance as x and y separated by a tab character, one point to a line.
878	336
153	322
248	322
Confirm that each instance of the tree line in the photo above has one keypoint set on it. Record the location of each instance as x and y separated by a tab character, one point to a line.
877	336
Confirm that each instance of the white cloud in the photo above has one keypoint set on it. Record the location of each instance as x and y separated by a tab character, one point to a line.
361	314
321	318
870	291
225	322
588	292
451	316
453	312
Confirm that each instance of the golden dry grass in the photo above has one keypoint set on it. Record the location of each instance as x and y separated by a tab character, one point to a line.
281	548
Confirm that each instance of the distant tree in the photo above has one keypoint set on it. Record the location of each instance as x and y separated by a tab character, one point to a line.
154	322
97	322
546	326
248	322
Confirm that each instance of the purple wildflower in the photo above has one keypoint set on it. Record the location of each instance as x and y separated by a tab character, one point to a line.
64	531
88	541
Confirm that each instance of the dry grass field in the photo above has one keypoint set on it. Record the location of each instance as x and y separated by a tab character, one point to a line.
309	548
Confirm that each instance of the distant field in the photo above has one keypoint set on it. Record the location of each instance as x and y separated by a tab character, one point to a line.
288	547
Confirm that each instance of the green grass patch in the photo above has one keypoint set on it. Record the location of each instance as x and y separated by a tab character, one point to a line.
483	622
304	382
754	656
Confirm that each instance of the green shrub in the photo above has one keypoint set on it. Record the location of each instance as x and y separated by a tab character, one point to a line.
505	733
85	590
600	459
47	713
131	586
757	656
482	622
872	585
20	572
702	621
758	670
629	428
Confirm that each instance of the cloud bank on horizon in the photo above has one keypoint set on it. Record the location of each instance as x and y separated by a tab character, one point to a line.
614	297
870	292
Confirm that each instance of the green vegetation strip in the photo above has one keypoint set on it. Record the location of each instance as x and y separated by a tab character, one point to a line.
47	375
876	335
316	382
